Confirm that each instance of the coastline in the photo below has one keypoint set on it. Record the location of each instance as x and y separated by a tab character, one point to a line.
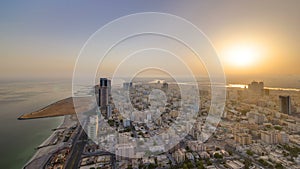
61	108
42	155
45	143
58	108
270	88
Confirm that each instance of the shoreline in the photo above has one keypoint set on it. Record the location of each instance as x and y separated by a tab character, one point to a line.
42	155
242	86
59	108
44	143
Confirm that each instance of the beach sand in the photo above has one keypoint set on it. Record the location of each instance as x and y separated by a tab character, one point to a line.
61	108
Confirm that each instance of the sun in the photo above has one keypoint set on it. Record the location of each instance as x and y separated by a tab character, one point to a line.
241	55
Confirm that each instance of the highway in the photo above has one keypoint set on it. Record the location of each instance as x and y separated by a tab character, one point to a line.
77	148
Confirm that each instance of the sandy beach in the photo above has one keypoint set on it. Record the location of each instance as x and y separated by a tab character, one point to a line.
61	108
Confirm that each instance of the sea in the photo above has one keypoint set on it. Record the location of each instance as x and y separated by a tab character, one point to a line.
18	138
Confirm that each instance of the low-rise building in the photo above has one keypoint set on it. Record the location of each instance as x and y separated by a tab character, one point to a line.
235	164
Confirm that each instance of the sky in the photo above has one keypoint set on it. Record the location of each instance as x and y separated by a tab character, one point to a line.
42	39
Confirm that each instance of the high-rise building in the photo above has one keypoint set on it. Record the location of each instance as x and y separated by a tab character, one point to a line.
108	111
109	87
256	88
103	97
92	127
103	82
104	92
165	86
270	137
285	104
127	85
283	138
243	138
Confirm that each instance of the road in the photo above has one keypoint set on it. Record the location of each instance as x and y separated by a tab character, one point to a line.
77	148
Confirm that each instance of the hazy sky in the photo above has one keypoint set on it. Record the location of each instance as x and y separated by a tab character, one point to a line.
43	38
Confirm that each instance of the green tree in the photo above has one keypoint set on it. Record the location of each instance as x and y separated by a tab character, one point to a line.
199	165
247	163
217	155
208	162
152	166
190	165
278	128
249	152
263	162
185	166
279	166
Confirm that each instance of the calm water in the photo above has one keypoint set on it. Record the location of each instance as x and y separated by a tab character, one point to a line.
19	138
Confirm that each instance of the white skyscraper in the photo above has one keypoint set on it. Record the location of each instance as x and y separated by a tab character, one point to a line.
92	127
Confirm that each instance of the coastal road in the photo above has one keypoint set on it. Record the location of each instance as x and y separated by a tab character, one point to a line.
77	148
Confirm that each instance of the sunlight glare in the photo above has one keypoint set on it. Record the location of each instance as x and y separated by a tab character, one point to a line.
242	55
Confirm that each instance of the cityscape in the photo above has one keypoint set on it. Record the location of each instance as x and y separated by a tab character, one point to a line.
259	128
139	84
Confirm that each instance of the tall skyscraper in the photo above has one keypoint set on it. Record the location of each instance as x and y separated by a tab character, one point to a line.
285	104
103	97
104	92
92	127
103	82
